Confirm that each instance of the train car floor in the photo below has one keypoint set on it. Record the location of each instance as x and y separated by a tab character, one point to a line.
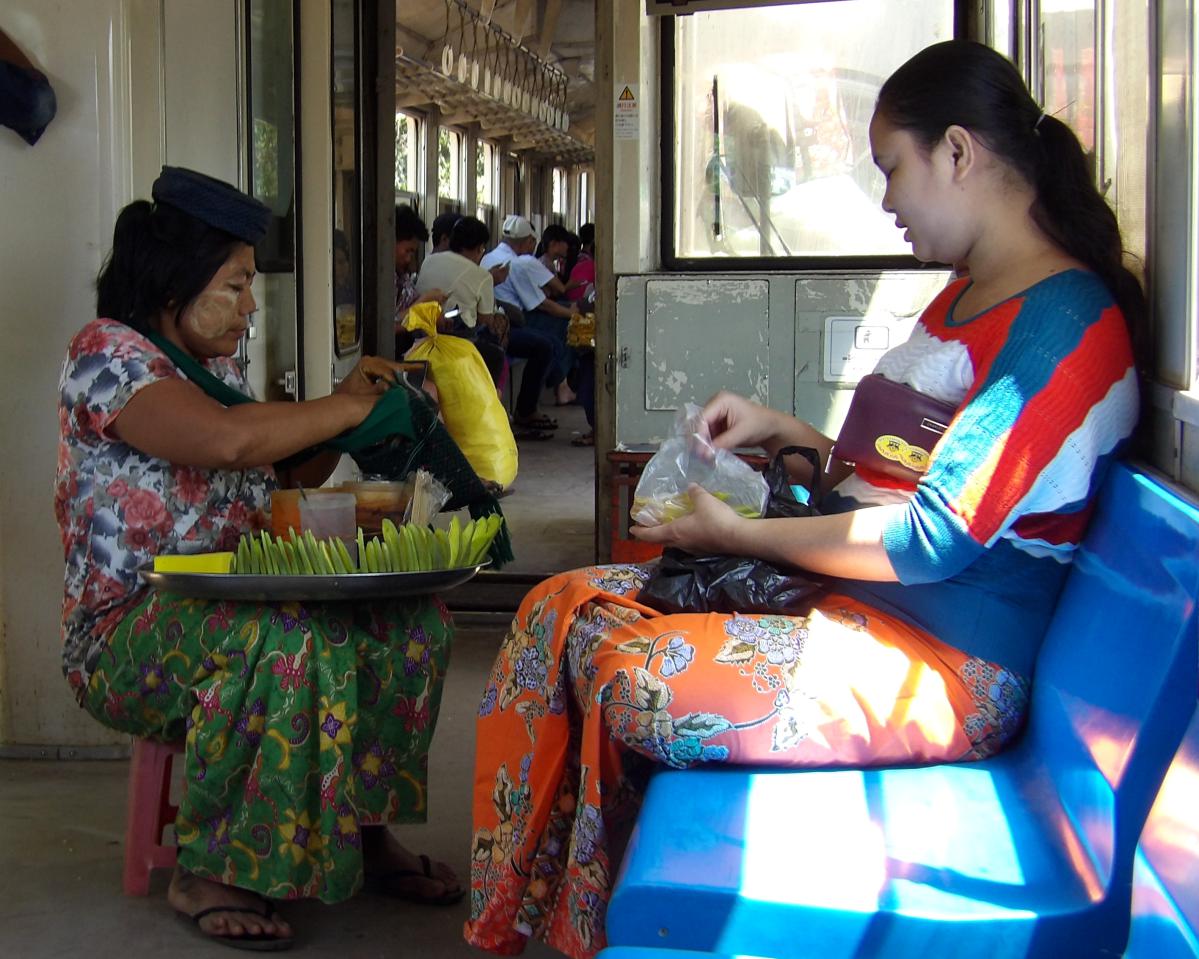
61	832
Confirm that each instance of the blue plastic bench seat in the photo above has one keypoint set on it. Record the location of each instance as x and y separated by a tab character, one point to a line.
1165	890
1029	853
644	952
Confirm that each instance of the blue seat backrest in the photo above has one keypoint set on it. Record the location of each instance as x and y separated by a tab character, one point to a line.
1117	675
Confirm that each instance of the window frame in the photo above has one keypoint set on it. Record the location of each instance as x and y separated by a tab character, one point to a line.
459	202
756	264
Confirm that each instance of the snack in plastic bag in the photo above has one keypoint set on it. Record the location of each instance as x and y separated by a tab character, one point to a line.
687	457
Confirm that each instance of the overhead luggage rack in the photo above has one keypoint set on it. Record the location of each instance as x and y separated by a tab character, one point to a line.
478	73
419	83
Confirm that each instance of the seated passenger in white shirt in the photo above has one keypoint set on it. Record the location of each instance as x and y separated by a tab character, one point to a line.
456	270
531	286
468	288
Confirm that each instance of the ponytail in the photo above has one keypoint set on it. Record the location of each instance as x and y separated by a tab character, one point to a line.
965	83
161	258
1075	216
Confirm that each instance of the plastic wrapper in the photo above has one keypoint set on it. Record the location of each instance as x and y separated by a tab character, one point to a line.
580	331
685	583
428	497
687	457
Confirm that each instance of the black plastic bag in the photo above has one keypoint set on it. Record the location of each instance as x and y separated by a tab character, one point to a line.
684	583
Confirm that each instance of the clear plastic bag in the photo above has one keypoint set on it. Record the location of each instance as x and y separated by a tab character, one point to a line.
687	457
428	497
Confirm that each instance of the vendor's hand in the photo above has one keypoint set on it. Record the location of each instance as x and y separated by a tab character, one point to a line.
734	421
372	375
710	527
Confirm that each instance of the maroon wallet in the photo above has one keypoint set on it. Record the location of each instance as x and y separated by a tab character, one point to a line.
891	428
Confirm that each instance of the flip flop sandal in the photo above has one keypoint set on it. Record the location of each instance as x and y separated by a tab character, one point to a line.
254	942
586	439
531	434
383	884
535	423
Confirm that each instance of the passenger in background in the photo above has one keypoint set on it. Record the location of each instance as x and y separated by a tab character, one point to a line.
440	238
411	237
574	245
468	288
306	726
937	594
523	288
581	288
439	233
551	253
581	291
552	250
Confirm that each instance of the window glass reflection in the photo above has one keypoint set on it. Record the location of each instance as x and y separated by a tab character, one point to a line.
772	108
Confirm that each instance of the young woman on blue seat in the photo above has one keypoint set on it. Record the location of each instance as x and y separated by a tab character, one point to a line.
938	592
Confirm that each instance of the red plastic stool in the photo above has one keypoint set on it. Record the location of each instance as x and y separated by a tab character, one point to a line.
149	813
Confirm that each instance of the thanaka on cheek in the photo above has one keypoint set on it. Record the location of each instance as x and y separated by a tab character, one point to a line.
212	315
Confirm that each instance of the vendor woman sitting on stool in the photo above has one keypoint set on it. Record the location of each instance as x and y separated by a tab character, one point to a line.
306	725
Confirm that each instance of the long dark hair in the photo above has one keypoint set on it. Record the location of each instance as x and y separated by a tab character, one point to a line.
161	258
968	84
554	233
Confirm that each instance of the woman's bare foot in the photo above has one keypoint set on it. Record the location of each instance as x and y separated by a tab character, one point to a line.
231	913
394	871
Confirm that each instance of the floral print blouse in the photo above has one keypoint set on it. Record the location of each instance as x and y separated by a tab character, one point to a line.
118	507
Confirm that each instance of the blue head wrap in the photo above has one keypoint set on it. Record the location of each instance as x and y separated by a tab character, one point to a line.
214	202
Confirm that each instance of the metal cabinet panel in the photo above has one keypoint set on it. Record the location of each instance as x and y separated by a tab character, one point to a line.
795	342
702	336
843	323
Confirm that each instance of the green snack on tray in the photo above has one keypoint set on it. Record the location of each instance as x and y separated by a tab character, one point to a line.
405	548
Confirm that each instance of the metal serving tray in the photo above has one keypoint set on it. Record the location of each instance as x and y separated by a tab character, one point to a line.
349	586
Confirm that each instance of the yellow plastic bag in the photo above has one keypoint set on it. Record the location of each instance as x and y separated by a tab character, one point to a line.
470	407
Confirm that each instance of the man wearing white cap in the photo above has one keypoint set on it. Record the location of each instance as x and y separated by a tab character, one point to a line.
530	285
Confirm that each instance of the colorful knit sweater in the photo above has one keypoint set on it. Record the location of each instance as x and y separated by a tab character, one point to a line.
1048	393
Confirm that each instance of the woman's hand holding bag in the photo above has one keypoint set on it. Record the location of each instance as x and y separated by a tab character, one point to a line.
685	582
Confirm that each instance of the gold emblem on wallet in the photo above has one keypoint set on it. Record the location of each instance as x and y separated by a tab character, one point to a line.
897	450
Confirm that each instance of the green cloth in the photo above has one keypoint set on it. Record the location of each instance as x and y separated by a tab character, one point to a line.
304	722
400	434
389	417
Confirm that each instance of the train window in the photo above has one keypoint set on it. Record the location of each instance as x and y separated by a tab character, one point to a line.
486	182
272	117
409	155
1068	65
770	156
514	183
558	194
450	157
347	325
585	214
1121	116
